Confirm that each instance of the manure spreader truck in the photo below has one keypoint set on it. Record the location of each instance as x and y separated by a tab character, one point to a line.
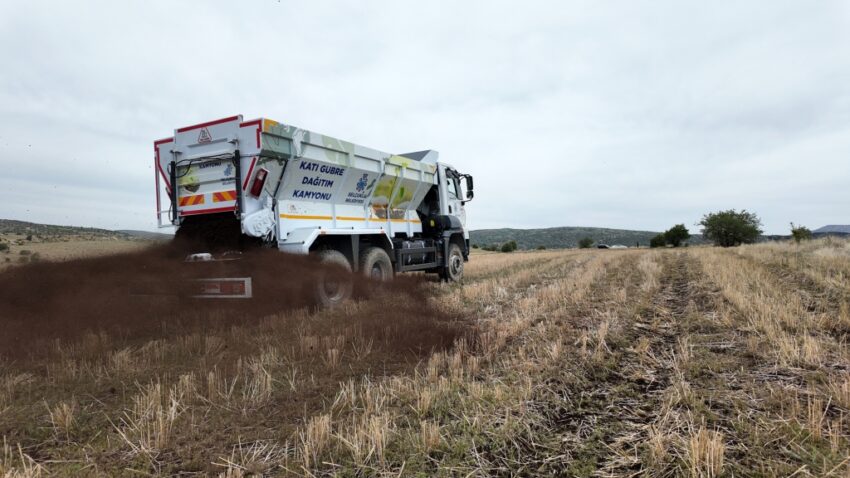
260	182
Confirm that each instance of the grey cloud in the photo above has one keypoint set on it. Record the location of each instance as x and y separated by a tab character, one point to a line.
638	115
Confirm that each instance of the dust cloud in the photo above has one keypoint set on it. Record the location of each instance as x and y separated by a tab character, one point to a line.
147	294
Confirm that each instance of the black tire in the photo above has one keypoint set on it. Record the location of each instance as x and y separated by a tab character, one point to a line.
335	282
375	264
453	272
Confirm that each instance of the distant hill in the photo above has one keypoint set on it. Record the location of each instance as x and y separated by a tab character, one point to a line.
840	229
11	226
50	231
562	237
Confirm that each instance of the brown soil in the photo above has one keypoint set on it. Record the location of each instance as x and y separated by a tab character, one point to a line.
146	294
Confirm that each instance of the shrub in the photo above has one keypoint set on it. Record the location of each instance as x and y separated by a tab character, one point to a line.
25	252
585	243
491	247
475	246
658	241
29	237
35	257
4	247
676	235
540	248
509	246
731	228
800	233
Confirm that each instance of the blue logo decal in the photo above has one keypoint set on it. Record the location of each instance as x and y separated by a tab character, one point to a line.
361	183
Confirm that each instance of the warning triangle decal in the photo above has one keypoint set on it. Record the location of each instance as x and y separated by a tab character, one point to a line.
204	137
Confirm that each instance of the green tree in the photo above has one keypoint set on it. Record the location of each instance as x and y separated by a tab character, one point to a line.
800	233
509	246
676	235
541	247
475	246
731	228
658	241
585	243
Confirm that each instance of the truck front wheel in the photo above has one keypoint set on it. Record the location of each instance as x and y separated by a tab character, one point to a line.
454	265
335	282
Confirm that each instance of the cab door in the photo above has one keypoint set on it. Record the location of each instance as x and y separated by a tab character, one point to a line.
451	203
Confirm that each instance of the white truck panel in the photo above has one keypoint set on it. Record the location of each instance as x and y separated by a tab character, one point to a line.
300	239
328	184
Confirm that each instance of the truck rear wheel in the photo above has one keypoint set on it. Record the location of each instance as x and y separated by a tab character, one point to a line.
454	265
335	282
375	264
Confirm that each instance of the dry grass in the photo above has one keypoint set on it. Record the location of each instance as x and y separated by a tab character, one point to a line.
63	418
14	463
702	362
71	248
705	452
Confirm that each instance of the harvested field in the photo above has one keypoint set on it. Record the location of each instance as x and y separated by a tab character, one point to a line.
700	362
20	251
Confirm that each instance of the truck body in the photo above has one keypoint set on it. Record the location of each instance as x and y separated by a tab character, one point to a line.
265	182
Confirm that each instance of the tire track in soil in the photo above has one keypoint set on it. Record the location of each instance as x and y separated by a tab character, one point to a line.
684	312
646	375
693	310
734	385
593	408
603	414
724	377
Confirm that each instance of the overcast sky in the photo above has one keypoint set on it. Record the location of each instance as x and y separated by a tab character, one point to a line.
630	114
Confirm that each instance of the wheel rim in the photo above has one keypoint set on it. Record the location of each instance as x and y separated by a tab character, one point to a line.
455	265
377	273
333	289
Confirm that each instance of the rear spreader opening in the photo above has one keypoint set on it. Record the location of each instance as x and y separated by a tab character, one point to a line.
211	287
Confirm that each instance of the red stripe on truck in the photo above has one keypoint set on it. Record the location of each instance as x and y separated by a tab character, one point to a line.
158	164
257	122
156	185
208	123
208	211
250	170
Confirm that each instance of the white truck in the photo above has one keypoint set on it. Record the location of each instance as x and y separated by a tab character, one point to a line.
261	182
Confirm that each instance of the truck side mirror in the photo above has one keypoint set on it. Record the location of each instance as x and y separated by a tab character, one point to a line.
469	193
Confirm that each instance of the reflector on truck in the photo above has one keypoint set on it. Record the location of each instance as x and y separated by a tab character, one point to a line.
224	196
224	288
192	200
